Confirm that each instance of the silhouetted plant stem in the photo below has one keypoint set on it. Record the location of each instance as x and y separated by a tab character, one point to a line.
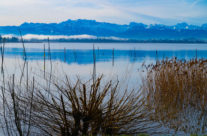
24	56
31	108
64	55
113	57
44	61
156	55
94	64
16	109
50	58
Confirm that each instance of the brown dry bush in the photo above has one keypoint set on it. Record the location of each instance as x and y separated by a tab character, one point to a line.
177	91
95	107
89	108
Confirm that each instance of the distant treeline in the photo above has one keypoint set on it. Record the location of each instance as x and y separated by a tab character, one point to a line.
11	39
100	40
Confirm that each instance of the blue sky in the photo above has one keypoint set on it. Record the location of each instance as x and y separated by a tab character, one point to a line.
169	12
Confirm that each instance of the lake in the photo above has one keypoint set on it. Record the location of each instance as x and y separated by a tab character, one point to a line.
114	60
122	61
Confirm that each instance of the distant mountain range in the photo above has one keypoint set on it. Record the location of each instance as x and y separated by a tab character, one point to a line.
133	31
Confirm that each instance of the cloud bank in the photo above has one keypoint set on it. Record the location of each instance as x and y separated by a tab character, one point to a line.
15	12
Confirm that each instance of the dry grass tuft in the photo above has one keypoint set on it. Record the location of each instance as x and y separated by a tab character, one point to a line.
177	91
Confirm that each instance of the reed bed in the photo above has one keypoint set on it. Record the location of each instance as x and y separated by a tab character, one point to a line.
177	92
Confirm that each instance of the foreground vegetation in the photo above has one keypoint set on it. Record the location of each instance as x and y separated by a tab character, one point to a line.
176	90
89	108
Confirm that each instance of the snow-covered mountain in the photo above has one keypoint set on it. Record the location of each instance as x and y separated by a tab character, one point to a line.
133	30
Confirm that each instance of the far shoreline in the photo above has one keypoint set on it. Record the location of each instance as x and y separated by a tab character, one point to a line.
117	42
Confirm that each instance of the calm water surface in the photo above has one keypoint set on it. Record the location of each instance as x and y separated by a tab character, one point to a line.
121	61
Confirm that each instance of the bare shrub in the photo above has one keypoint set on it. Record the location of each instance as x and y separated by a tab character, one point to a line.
90	109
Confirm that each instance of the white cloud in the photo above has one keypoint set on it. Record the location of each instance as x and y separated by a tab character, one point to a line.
15	3
15	12
52	37
55	37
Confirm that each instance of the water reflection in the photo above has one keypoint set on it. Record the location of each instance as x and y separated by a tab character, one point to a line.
85	56
77	59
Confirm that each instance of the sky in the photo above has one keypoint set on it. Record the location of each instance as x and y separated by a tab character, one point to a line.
168	12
